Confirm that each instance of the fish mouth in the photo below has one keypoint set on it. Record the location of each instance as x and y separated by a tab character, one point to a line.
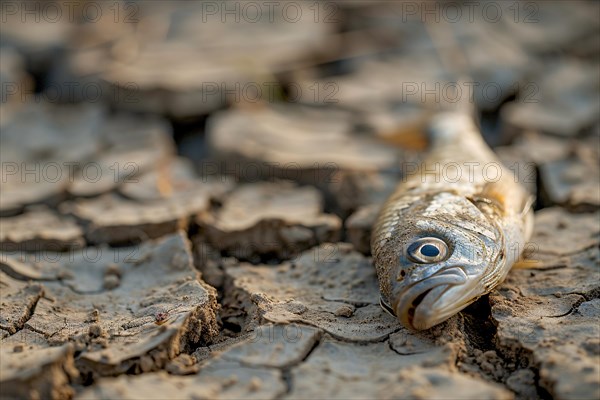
414	305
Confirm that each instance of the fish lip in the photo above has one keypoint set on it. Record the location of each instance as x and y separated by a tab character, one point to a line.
421	315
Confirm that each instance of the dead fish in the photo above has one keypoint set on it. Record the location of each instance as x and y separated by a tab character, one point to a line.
451	231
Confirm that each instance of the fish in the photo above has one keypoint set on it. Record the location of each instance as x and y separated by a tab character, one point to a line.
451	230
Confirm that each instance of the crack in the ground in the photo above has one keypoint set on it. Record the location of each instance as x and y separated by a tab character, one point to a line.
33	329
569	253
574	307
29	311
286	372
232	321
480	333
396	351
589	295
355	304
487	357
286	376
547	267
8	270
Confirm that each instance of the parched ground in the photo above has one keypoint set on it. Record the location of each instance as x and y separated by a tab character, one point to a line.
148	326
179	245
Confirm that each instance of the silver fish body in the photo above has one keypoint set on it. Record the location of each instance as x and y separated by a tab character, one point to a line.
452	230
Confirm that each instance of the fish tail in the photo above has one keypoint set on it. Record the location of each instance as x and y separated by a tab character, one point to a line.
459	98
452	119
457	102
452	127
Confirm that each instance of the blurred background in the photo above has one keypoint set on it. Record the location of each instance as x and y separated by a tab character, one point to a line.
111	106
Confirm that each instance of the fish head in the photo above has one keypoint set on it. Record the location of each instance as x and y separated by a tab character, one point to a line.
448	252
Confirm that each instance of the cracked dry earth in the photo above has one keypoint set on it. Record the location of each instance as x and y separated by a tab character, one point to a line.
225	274
175	285
140	322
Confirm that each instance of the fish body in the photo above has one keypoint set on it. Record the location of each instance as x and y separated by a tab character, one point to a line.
452	230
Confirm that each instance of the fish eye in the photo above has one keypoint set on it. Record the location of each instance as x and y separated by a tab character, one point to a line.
427	250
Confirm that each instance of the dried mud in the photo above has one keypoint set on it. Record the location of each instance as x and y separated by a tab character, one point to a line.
243	270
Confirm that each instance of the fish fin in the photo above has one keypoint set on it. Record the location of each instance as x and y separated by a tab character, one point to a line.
412	137
528	263
495	192
527	205
491	199
527	217
476	200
